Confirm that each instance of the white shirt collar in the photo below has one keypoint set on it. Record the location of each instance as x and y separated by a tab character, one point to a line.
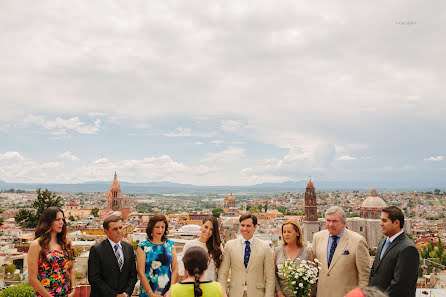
112	243
250	240
391	239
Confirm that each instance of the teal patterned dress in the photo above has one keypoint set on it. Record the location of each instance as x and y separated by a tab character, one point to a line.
158	262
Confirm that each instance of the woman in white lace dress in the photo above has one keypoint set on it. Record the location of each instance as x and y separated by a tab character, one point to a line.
210	241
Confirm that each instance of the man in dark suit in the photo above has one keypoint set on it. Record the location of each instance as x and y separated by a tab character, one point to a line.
395	269
111	264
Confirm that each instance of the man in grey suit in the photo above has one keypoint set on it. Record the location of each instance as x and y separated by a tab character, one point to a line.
395	269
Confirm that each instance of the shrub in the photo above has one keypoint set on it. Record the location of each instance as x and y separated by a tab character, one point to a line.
10	268
21	290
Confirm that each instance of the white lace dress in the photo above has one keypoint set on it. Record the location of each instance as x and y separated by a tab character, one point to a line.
211	273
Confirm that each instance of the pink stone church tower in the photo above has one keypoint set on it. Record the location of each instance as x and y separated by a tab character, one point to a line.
114	195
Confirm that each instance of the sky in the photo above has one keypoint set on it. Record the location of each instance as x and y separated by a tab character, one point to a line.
222	92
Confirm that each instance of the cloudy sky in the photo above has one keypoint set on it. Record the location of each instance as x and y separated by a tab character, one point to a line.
222	92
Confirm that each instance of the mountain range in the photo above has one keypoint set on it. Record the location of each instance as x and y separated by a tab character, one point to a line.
164	187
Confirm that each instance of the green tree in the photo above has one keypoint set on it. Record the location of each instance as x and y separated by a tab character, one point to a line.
437	191
95	212
71	218
45	199
440	248
216	212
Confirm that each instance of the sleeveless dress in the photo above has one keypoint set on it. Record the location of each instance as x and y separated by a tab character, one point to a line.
157	270
186	289
303	254
211	272
54	273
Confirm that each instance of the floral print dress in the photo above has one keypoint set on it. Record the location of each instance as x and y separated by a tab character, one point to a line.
54	273
157	270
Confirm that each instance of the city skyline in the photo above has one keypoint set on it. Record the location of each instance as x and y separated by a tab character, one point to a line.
210	93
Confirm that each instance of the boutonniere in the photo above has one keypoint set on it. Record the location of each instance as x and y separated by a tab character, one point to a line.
346	252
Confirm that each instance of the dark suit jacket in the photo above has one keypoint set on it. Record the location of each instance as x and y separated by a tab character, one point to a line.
397	272
103	270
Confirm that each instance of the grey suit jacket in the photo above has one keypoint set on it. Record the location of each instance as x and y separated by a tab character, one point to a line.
397	272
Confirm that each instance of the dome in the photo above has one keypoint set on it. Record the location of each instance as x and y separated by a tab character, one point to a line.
310	184
190	228
373	201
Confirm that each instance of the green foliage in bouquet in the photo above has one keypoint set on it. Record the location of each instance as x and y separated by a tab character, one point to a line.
21	290
301	277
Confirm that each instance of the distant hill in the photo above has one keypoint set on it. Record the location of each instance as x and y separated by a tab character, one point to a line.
164	187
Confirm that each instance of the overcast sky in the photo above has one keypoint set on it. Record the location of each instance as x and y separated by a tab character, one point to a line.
222	92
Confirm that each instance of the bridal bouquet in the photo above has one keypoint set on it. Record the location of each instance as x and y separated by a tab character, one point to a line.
300	277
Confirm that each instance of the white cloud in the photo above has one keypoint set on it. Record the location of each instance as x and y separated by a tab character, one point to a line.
61	126
180	132
101	161
217	142
69	156
346	158
226	156
187	132
11	156
230	125
434	159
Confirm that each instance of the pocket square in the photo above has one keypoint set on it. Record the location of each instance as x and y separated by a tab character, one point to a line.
346	252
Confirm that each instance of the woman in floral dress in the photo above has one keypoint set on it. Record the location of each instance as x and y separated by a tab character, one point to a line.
50	257
156	259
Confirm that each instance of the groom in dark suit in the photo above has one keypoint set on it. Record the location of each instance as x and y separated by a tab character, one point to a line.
111	264
395	269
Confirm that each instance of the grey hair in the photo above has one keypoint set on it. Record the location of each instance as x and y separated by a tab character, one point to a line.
335	209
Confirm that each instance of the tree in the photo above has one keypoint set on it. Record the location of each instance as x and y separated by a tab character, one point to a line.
437	191
440	247
95	212
71	218
216	212
45	199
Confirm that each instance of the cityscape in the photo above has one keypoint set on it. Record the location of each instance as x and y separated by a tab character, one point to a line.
85	213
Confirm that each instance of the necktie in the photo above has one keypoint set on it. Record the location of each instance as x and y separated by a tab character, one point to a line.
333	248
247	253
386	245
118	257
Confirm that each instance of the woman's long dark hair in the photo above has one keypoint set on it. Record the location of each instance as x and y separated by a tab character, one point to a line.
43	231
214	242
196	262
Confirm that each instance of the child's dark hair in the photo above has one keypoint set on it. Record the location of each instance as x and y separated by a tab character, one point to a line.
196	262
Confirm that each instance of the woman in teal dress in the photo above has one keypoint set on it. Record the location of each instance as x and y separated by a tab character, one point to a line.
156	259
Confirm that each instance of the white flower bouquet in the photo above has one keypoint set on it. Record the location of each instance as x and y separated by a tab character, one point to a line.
301	277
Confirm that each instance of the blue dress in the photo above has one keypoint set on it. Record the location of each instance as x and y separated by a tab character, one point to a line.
158	261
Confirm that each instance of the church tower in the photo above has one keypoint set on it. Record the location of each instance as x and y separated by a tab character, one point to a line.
125	207
310	203
311	221
114	195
